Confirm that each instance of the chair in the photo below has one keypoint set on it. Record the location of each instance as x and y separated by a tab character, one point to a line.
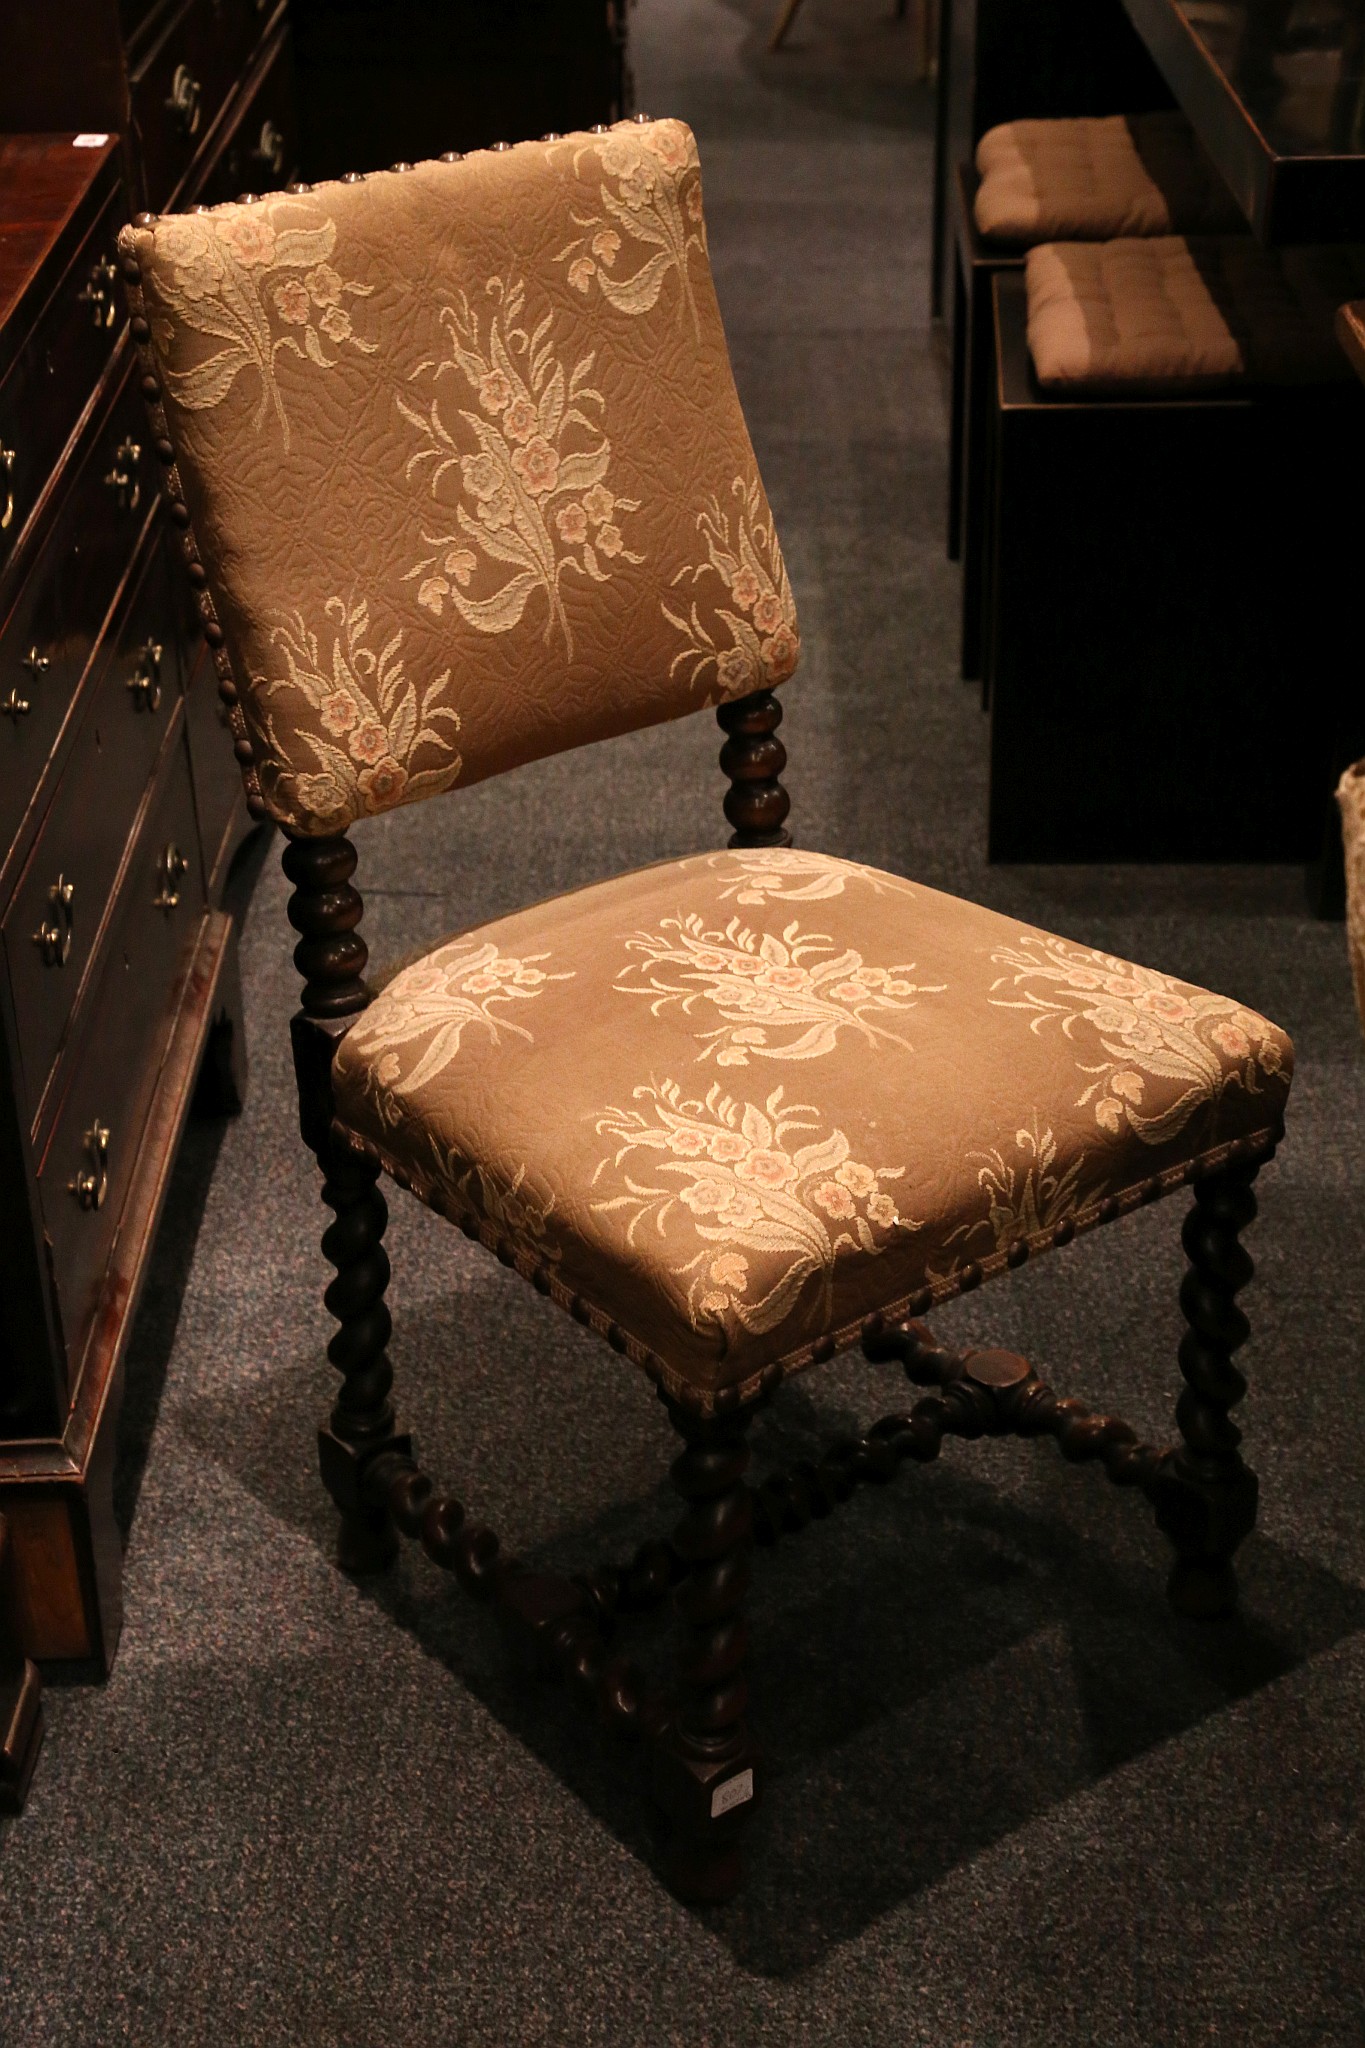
463	480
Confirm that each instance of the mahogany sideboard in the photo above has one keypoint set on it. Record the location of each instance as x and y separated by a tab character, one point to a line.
121	813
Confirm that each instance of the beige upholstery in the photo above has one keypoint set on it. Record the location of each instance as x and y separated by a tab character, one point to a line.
1168	314
1088	180
466	465
727	1106
1351	798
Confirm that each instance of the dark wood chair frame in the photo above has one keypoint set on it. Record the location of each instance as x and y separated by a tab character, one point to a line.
703	1766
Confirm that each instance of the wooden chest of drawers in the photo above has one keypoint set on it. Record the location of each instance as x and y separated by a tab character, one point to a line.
120	803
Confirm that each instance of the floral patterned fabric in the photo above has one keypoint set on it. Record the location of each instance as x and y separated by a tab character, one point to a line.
465	465
728	1106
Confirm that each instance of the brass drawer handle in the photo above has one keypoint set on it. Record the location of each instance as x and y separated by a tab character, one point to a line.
270	149
184	99
123	479
14	706
8	458
91	1187
144	684
172	867
53	936
98	292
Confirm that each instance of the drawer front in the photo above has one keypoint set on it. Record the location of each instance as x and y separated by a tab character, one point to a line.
123	1028
217	776
52	924
261	153
49	383
48	639
184	85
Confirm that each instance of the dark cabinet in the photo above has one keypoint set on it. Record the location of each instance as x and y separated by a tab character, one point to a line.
121	808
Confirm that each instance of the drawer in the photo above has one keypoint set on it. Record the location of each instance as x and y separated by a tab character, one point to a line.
260	151
48	385
217	775
51	927
184	84
122	1031
57	617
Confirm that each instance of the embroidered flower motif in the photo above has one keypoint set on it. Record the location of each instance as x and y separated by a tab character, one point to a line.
773	1187
221	274
521	421
323	285
652	204
1026	1197
537	438
370	743
779	998
537	465
339	712
367	699
383	785
1149	1026
292	302
788	874
425	1011
742	550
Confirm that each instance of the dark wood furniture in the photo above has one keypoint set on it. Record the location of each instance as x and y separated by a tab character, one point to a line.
974	265
120	811
1168	651
21	1701
387	81
1012	60
1290	147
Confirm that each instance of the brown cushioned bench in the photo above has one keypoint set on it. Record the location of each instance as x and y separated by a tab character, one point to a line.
1169	647
1036	181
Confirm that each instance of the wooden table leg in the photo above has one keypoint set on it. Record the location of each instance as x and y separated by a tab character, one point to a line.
21	1705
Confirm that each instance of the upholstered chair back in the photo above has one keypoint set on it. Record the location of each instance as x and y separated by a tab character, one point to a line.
462	465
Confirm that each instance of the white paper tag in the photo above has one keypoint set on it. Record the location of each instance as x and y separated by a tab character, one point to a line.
734	1792
90	142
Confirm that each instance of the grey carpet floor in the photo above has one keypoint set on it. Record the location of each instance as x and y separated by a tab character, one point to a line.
1013	1801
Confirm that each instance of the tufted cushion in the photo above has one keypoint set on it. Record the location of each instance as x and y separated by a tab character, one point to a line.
466	465
1087	180
1168	314
727	1106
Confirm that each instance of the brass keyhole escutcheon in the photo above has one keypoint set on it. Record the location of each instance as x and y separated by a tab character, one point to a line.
53	936
269	150
144	684
91	1187
123	479
171	867
98	292
8	458
184	99
17	706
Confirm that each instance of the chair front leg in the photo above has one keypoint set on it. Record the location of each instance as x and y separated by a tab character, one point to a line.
1206	1502
705	1763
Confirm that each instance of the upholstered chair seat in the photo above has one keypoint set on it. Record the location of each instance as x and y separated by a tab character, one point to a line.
801	1091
